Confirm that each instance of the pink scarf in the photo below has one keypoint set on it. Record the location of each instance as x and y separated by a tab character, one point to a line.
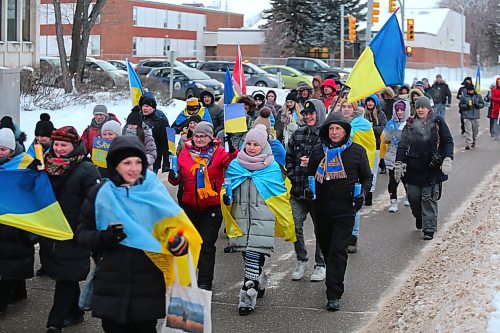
254	163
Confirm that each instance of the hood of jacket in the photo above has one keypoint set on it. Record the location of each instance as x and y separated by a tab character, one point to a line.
320	112
207	93
415	91
334	118
329	83
375	98
468	78
319	79
389	91
247	100
407	113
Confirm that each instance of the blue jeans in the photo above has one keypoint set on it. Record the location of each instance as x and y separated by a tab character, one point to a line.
357	222
441	109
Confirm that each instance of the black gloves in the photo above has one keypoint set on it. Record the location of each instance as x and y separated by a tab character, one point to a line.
172	175
226	199
113	234
358	201
178	244
308	194
228	139
34	164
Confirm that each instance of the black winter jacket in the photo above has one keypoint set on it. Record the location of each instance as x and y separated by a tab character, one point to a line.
17	253
158	126
67	260
441	93
216	112
419	142
128	287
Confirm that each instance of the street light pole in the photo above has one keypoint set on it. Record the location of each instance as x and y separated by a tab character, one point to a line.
462	37
368	33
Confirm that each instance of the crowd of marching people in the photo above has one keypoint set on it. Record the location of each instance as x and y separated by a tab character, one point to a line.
318	154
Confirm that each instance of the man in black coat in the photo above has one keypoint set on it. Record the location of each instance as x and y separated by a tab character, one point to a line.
216	112
441	95
337	164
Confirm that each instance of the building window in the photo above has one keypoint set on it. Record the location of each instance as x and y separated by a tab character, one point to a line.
134	16
166	46
95	45
165	19
134	46
26	21
12	20
179	20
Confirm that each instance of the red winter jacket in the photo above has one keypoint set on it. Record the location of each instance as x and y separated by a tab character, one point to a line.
219	163
495	99
94	130
329	100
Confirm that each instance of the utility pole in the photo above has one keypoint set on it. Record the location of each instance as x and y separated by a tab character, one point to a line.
402	5
368	32
171	86
462	37
342	37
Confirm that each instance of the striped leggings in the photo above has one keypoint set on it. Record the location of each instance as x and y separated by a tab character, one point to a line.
254	262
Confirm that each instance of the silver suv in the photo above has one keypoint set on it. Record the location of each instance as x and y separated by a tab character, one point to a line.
254	75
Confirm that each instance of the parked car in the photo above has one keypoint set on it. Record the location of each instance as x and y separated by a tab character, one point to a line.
254	75
193	63
187	82
315	67
105	73
146	65
291	77
50	68
121	64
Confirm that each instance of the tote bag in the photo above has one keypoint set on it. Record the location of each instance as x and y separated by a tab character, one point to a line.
188	308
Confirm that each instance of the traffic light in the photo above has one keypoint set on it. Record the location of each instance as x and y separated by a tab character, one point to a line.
409	51
375	11
352	29
410	29
392	6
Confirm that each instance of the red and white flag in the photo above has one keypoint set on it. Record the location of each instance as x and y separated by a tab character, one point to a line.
239	81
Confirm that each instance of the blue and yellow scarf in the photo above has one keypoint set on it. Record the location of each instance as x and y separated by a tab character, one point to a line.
201	162
331	167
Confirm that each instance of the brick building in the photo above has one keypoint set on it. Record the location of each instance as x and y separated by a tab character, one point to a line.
138	29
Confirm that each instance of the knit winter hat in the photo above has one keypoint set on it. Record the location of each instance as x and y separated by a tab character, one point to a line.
419	83
206	128
264	119
7	139
148	101
7	122
399	105
100	109
44	127
113	126
192	104
66	133
292	97
135	118
259	96
124	147
258	134
196	118
423	101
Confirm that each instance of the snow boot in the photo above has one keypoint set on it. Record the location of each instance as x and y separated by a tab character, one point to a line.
248	298
418	223
299	271
394	206
262	284
353	245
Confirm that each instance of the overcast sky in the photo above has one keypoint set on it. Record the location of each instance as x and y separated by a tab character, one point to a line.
254	7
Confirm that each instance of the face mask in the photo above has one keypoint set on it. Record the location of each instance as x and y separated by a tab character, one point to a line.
131	131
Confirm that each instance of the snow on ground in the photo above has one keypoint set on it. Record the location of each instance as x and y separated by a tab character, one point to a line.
454	285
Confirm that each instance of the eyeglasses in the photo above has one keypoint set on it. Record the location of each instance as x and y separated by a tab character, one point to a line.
200	136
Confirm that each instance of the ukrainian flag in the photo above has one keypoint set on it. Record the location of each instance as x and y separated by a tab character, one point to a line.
148	223
230	94
235	120
381	64
362	133
135	84
271	187
27	201
478	80
171	140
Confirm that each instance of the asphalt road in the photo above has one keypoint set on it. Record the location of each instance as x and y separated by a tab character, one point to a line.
387	243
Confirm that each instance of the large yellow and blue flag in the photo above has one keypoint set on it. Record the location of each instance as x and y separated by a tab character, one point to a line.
149	217
362	134
135	84
478	79
100	148
27	201
230	94
381	64
271	187
235	120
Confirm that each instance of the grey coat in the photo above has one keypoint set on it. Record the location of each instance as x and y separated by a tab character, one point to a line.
150	145
392	135
254	218
470	110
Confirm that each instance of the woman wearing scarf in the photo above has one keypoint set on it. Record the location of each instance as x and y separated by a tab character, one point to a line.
390	141
201	167
71	176
135	126
250	219
129	289
337	164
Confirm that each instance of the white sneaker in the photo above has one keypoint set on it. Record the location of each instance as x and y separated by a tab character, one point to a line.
407	203
299	271
394	206
319	274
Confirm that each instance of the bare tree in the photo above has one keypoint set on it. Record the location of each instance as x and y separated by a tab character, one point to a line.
83	22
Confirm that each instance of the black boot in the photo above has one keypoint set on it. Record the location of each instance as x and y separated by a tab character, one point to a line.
353	245
428	235
418	223
333	304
